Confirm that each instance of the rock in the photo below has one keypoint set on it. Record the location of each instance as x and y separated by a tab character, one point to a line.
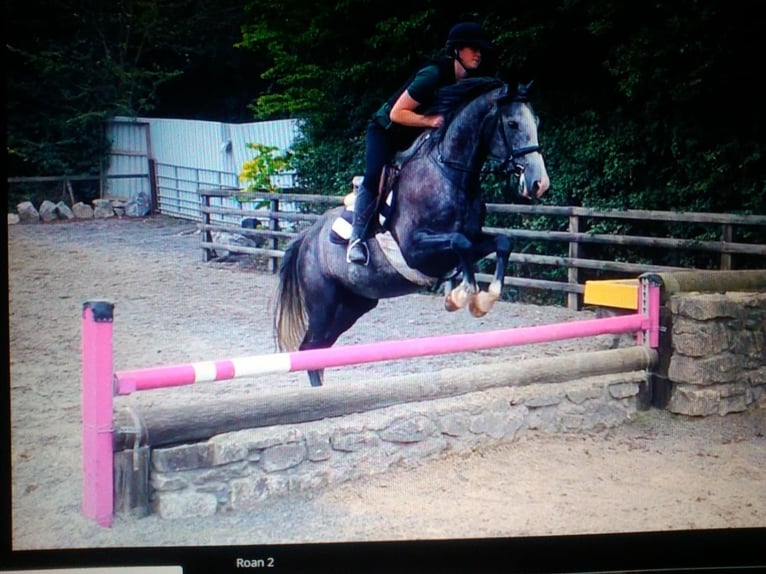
47	211
102	208
283	456
13	218
139	206
119	207
63	211
720	400
82	210
27	212
185	505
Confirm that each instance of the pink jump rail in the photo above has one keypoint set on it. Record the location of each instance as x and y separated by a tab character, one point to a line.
100	383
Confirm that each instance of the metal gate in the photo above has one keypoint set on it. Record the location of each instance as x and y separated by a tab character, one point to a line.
173	159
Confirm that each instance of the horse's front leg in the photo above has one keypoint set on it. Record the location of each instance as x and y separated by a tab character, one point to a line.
484	300
427	246
464	293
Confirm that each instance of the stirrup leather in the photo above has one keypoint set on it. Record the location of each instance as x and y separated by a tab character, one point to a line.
363	245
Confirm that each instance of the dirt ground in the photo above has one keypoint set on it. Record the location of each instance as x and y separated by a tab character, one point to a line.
657	473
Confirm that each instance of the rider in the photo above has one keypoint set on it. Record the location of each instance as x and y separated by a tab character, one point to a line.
400	120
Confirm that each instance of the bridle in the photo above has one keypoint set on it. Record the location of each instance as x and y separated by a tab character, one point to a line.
508	166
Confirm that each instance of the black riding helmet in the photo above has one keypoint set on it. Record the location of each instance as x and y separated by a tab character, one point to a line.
471	34
467	34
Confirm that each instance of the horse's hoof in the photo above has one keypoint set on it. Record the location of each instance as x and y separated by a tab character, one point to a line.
456	299
481	304
464	298
475	310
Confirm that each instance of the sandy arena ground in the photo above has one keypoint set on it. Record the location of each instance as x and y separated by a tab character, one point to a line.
659	472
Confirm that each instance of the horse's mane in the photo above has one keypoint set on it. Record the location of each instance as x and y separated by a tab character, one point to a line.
451	98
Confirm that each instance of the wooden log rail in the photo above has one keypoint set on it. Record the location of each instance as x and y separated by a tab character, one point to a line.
175	425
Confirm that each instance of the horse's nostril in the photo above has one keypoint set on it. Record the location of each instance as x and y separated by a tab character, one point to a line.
541	186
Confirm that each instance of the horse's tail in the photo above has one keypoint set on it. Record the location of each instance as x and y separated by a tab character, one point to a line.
289	311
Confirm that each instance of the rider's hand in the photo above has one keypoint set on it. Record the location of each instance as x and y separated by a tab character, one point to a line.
435	121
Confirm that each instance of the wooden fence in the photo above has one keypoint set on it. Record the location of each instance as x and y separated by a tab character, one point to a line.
283	226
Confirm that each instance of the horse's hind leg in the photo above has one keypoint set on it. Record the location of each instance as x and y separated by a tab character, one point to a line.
316	378
329	318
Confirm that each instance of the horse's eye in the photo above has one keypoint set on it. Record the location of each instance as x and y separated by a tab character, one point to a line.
513	125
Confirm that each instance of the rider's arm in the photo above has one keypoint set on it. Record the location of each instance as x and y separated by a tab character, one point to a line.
403	112
420	91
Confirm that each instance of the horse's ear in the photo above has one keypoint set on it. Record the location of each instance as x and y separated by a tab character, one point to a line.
522	90
505	95
520	95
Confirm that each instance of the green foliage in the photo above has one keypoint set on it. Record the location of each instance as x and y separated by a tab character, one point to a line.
332	65
327	167
256	172
641	106
633	97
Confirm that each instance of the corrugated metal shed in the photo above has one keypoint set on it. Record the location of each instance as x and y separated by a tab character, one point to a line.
187	155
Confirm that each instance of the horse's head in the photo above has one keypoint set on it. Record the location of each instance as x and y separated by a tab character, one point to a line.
514	142
484	121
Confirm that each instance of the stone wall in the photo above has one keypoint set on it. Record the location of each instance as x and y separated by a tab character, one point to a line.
718	361
238	470
717	366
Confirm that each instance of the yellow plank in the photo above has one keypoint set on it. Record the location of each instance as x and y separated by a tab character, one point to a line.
619	293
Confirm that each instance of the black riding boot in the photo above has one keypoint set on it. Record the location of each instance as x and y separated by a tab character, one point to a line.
364	207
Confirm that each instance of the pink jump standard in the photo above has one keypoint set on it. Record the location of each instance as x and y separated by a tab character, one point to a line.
100	382
97	394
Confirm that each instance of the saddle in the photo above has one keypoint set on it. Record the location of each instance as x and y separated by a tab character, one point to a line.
341	229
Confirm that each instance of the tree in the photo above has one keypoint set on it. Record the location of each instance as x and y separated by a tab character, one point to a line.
332	65
667	120
642	105
633	97
73	64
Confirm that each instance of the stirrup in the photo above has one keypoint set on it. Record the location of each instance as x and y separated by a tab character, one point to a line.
364	248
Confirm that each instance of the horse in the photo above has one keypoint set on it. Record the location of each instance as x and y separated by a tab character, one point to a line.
433	228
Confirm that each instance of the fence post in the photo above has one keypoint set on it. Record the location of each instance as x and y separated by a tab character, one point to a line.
274	226
97	395
207	235
726	237
573	298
